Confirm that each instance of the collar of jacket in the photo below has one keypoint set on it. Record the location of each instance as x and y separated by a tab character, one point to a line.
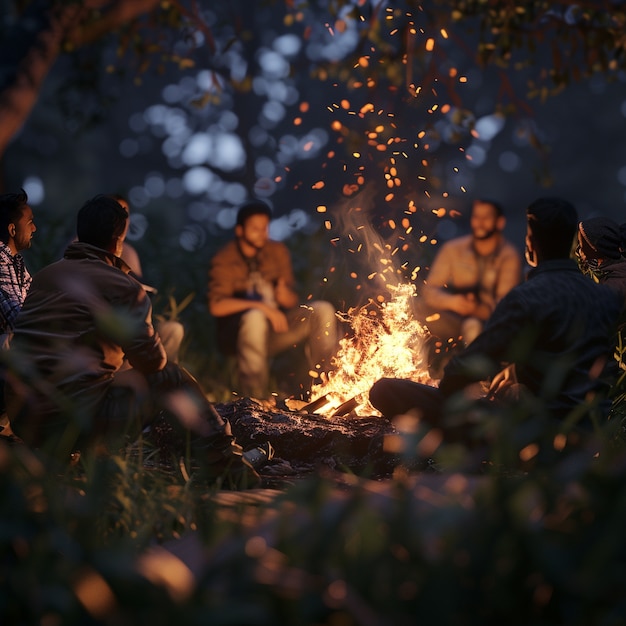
5	252
554	265
82	250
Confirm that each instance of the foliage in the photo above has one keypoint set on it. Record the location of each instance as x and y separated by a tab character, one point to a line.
105	542
543	546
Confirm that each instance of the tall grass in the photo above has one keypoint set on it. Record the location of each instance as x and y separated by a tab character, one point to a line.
117	540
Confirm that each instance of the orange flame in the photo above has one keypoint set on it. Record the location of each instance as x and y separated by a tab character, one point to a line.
387	341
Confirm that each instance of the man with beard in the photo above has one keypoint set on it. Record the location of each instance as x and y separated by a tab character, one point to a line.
467	278
544	356
16	233
252	296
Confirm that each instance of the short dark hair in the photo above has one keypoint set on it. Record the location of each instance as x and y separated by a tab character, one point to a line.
250	209
100	221
497	207
11	209
118	197
553	223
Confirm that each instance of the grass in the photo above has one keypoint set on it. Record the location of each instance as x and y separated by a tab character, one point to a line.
115	540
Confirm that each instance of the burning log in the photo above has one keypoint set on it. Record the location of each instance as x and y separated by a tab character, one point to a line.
345	407
311	407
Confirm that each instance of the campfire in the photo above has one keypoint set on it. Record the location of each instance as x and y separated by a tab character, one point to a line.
386	341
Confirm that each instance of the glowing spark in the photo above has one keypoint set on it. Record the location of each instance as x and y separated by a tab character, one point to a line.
430	44
529	452
318	185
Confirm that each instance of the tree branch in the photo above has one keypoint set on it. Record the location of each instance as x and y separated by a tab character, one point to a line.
66	23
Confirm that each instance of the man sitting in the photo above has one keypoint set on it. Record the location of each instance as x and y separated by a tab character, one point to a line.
468	277
83	319
252	295
552	334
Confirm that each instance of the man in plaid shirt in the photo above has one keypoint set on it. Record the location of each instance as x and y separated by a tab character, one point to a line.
16	233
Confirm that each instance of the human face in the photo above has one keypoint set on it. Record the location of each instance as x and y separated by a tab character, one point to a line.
484	221
22	230
253	234
529	249
119	242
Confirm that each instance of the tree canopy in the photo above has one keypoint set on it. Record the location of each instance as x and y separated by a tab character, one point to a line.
393	102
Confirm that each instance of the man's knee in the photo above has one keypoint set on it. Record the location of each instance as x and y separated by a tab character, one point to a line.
254	323
380	393
324	311
171	333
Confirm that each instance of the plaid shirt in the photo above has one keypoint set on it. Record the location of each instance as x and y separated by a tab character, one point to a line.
14	285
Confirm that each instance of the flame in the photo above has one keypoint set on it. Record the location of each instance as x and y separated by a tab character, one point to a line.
387	341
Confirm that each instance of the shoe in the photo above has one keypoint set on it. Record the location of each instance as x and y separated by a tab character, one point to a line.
259	456
223	464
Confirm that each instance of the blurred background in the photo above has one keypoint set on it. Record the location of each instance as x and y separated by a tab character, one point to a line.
368	126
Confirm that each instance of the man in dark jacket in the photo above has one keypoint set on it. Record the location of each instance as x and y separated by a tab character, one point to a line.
552	334
86	363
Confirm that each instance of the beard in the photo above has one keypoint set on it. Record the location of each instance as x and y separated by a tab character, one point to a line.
487	234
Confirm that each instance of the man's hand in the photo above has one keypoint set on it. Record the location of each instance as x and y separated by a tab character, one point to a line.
464	304
277	319
284	295
502	381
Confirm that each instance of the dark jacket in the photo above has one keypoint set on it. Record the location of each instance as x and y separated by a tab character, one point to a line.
82	317
557	327
613	274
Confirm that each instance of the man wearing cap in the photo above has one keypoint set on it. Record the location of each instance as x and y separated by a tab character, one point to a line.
253	298
601	245
600	249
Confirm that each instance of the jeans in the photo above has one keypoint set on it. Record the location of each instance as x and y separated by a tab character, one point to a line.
314	323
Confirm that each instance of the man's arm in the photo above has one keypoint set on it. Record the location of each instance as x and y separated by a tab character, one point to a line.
11	297
143	349
510	274
492	349
435	291
9	308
